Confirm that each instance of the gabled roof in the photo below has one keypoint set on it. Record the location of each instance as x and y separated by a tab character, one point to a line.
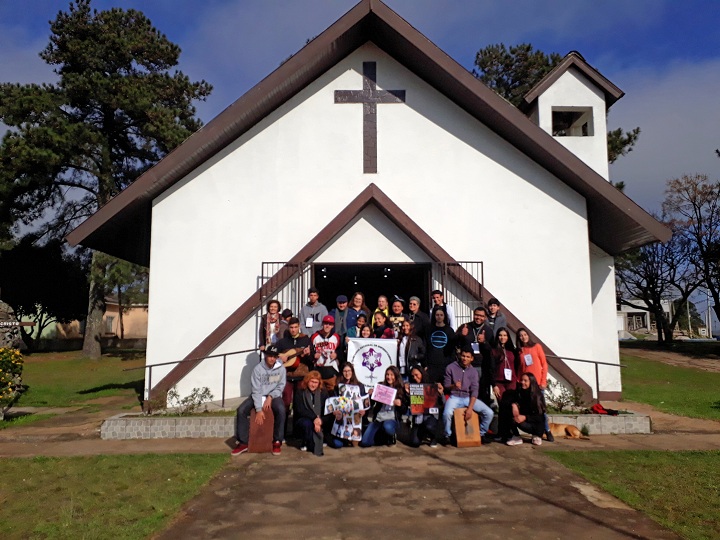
122	226
371	195
574	59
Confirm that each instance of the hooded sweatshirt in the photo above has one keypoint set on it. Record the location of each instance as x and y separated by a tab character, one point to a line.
267	382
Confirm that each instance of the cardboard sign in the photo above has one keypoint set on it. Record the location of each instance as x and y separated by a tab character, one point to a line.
384	394
423	399
371	357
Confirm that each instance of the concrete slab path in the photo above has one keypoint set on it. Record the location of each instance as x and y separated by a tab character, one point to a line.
491	492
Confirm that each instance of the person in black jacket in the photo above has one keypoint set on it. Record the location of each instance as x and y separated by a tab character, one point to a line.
424	426
478	335
529	411
308	411
440	349
420	320
411	349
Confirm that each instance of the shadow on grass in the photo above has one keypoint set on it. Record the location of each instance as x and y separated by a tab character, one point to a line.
715	405
125	354
138	386
695	349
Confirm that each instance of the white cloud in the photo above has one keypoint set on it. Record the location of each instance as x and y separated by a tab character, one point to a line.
678	113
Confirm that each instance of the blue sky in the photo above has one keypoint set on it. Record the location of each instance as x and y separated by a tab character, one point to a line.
664	54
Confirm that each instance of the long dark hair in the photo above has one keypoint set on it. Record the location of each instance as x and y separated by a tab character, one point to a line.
398	379
536	395
509	345
353	379
519	343
425	377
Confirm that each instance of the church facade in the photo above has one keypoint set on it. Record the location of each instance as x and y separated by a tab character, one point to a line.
372	161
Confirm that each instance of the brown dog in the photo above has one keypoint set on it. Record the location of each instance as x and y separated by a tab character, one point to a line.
567	431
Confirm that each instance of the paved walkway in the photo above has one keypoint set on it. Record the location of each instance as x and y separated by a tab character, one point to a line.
494	491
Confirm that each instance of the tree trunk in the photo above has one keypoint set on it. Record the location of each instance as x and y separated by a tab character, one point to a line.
96	308
120	314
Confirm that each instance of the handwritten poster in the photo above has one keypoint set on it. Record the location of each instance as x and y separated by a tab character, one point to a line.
384	394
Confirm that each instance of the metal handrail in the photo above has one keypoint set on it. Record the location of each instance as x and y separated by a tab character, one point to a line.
597	370
223	355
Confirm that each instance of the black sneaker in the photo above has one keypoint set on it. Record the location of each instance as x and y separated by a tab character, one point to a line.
549	437
486	439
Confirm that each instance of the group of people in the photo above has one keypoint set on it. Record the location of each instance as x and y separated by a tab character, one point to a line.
475	366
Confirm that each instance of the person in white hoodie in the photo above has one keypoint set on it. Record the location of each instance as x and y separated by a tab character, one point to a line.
268	381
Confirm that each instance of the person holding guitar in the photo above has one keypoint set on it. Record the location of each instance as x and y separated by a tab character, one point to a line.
294	352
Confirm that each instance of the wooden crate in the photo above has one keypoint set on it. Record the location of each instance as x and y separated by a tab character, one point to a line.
466	434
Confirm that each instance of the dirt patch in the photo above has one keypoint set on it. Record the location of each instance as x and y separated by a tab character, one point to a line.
676	359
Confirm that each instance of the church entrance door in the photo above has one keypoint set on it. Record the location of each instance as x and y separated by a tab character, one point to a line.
389	279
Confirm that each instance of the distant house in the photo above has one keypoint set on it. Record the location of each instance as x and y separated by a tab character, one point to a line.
134	322
632	319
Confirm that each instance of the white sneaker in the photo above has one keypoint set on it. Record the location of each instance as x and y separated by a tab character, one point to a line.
514	441
537	441
303	448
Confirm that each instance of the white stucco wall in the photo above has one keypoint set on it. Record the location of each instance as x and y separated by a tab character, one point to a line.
573	89
605	342
472	192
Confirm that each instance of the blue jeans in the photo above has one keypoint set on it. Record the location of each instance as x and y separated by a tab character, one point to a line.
455	402
368	438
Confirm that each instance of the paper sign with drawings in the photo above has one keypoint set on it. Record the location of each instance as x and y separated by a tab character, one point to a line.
346	407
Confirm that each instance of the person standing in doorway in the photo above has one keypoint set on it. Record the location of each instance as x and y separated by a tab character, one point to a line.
419	320
382	306
312	313
439	303
495	319
357	306
397	315
340	314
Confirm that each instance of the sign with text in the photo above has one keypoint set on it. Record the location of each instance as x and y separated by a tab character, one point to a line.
423	399
384	394
371	357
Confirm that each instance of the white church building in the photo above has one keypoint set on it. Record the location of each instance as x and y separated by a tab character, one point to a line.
372	161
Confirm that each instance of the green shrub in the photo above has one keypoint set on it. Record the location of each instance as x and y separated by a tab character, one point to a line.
11	367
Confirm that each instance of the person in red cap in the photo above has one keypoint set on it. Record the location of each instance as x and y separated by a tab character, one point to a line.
325	344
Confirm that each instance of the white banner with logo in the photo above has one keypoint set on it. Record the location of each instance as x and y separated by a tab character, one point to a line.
371	357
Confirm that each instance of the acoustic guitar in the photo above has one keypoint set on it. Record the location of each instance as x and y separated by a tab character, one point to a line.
291	358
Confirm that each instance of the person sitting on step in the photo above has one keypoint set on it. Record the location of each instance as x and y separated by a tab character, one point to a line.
267	382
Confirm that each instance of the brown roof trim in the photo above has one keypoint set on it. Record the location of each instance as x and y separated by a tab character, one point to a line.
370	195
574	59
122	226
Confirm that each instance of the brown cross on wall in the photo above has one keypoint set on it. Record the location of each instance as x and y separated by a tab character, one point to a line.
369	96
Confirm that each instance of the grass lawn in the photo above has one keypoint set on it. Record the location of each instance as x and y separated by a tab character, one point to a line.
680	490
66	379
98	497
17	421
696	349
677	390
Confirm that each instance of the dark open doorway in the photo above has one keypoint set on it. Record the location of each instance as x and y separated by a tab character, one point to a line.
402	279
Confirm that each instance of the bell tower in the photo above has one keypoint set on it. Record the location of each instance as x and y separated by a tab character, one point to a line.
571	104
